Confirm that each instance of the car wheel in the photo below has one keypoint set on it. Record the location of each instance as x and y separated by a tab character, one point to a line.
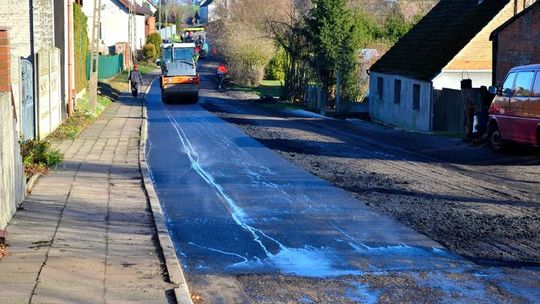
496	142
538	139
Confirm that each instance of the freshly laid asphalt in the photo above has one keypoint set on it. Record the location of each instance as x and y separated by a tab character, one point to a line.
235	207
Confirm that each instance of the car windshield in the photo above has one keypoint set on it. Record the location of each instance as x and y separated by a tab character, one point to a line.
184	53
167	54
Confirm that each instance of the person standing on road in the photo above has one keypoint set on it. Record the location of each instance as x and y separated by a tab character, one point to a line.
135	78
221	72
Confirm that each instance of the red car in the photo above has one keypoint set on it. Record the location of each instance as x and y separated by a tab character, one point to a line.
514	115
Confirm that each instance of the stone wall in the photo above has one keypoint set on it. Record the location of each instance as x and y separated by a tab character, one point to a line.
43	24
12	180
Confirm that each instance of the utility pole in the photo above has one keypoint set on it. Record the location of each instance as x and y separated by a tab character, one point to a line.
71	66
94	56
132	33
159	17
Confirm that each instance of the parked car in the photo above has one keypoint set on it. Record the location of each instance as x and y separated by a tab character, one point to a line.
514	115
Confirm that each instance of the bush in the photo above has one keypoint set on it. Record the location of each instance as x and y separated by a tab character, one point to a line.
38	156
275	70
155	39
149	52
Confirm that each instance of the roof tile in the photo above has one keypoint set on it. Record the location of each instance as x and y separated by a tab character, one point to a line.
438	37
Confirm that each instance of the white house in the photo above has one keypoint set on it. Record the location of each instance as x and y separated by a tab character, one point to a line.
114	21
208	10
449	44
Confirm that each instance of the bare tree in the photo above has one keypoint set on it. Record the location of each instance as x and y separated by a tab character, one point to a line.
288	34
241	36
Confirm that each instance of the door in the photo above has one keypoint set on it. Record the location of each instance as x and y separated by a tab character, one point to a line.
500	107
532	109
521	126
27	96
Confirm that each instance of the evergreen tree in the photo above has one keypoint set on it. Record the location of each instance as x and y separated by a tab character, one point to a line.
335	35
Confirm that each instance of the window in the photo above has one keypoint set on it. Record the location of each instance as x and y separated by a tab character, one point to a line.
183	53
397	91
524	83
380	88
536	88
416	97
509	82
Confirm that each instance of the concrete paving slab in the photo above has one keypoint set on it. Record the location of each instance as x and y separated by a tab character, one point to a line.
59	238
54	296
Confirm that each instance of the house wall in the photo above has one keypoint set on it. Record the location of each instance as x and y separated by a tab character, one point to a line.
140	31
12	180
12	186
114	23
452	79
402	115
518	44
150	26
43	24
15	15
477	54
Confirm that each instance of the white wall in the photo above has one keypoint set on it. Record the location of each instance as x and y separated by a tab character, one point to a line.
402	114
12	180
140	37
17	17
452	79
212	13
114	23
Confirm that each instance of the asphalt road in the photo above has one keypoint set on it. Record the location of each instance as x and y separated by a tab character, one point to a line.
242	218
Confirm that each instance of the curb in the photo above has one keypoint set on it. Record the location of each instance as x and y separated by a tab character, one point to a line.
176	275
31	182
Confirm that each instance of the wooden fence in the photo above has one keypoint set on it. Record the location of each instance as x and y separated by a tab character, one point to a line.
448	111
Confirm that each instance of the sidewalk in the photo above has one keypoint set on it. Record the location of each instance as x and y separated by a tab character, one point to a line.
86	233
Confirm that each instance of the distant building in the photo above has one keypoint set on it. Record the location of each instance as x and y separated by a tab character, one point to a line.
208	10
114	21
450	43
516	42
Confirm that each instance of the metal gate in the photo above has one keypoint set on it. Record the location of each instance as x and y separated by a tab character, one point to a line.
27	92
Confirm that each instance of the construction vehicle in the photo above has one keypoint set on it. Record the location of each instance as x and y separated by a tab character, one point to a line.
179	79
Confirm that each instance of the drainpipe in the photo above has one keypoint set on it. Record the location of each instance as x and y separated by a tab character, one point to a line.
71	59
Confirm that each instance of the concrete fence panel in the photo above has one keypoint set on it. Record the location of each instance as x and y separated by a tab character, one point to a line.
49	92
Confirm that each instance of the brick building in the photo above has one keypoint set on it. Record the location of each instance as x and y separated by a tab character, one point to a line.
516	42
450	43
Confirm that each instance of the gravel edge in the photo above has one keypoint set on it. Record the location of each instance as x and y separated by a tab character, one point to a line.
172	264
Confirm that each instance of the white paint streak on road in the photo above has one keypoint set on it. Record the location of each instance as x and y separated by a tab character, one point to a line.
307	261
219	251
